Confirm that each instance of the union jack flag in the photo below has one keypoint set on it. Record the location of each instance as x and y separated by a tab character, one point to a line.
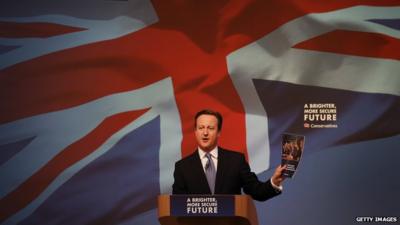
98	97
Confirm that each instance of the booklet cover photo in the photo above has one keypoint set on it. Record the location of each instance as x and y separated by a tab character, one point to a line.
292	149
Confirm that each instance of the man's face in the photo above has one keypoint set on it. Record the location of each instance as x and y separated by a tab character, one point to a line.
206	132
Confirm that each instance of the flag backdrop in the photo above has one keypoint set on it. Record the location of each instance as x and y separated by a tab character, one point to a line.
98	98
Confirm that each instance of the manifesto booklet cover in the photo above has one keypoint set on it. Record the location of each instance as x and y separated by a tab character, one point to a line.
292	149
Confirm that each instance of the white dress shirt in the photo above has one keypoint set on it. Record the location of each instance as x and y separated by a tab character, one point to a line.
203	157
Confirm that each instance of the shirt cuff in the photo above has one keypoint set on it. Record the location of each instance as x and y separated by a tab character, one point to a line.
276	187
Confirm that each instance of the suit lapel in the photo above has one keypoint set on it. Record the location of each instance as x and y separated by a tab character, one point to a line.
220	170
198	173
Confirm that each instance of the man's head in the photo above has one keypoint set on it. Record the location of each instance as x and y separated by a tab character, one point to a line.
207	127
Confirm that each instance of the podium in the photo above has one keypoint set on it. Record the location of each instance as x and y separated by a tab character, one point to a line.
206	209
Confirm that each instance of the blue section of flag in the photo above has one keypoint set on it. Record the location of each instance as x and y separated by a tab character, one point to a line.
113	189
7	48
392	23
360	116
7	151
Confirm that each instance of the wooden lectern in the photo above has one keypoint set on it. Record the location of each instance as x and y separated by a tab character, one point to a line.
233	210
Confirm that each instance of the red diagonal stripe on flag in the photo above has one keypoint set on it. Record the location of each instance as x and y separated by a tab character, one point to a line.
355	43
37	30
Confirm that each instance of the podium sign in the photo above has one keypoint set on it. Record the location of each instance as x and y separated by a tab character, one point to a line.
201	205
206	209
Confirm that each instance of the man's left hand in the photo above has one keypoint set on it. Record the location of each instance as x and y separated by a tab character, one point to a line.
277	177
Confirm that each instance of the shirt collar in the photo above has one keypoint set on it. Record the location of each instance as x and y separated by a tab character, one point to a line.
214	153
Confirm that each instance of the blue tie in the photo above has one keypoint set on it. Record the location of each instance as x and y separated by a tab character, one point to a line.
210	172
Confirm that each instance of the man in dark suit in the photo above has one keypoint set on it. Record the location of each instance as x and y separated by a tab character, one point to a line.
214	170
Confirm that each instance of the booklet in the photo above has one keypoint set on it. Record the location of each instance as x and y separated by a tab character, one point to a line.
292	149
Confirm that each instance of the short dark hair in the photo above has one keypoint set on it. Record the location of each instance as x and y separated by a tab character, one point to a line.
209	112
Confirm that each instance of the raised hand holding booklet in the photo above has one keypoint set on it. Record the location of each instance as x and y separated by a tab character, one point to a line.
292	149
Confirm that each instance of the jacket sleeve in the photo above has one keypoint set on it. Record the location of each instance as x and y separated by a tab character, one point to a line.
179	186
258	190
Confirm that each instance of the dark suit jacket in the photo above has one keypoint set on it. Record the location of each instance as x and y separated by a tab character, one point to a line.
233	174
